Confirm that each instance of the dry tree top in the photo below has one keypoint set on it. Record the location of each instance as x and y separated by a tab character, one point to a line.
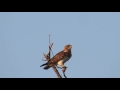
47	57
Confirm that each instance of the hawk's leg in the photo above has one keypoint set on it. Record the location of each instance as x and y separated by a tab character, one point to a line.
58	67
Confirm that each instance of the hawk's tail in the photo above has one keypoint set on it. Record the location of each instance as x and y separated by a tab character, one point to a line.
43	64
46	67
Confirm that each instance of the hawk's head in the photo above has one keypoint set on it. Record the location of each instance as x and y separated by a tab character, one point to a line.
67	47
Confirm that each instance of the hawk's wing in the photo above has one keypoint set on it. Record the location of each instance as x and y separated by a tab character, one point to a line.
59	56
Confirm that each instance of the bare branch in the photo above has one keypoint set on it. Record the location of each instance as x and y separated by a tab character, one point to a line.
48	58
64	69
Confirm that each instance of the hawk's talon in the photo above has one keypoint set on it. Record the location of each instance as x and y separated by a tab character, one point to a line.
64	67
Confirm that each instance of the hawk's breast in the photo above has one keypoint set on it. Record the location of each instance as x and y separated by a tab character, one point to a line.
62	61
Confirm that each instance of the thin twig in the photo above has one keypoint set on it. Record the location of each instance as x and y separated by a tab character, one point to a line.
50	44
44	60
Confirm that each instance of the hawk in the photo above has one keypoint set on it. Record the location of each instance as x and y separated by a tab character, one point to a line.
60	58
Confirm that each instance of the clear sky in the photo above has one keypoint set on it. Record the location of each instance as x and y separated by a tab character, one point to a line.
94	36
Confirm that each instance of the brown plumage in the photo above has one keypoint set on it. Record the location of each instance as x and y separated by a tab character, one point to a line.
60	58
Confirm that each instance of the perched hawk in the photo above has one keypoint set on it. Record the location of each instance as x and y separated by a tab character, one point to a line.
60	58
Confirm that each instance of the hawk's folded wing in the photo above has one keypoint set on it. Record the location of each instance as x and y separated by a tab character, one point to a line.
59	56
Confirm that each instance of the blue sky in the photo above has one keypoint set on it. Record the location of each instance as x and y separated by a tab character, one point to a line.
94	36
